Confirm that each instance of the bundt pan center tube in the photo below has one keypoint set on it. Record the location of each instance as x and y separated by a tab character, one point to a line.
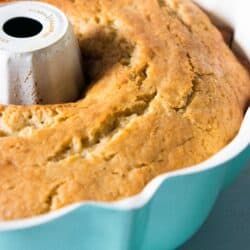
40	60
172	206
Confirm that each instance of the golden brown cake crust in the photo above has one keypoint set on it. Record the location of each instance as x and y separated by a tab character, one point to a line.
166	93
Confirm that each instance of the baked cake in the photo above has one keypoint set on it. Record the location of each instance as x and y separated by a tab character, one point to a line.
163	92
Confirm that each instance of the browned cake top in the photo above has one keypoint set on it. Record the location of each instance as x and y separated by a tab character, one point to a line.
164	93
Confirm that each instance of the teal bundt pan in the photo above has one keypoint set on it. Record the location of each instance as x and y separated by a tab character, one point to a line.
164	215
169	210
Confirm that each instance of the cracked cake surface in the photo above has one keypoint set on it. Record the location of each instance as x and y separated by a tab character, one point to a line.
163	92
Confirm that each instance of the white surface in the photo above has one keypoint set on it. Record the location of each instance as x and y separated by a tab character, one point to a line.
42	69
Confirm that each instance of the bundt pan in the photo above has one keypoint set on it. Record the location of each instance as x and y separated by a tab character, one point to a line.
166	213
